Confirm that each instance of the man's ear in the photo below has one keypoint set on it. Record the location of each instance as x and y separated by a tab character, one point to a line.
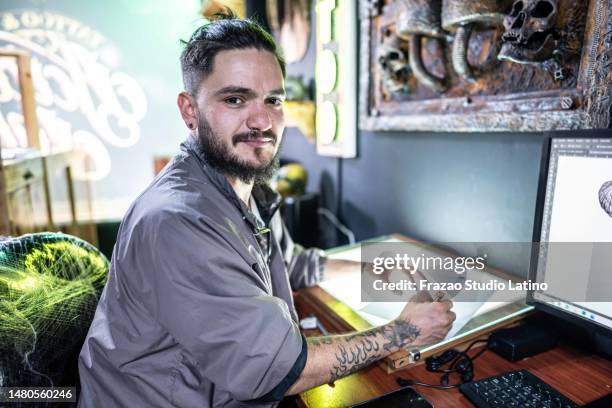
187	107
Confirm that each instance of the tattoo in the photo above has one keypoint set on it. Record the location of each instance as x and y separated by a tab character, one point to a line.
369	333
358	350
353	357
318	341
399	334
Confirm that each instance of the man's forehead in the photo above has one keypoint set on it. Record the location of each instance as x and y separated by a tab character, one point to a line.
245	69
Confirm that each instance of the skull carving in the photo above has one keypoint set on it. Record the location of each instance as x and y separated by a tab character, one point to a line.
394	66
529	36
415	19
461	17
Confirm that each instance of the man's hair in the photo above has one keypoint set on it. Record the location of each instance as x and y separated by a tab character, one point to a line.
224	32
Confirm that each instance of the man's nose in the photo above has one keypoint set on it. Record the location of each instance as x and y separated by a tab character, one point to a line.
259	119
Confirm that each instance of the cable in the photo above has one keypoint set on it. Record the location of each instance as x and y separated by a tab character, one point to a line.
464	352
459	362
480	353
451	356
334	220
402	382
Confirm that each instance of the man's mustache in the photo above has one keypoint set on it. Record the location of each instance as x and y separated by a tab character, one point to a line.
253	135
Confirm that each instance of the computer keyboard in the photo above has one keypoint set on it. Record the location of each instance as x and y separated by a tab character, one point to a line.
515	389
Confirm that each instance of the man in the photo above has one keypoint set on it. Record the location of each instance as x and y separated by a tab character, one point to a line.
198	309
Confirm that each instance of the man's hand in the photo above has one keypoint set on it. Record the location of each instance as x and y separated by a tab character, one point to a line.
432	319
339	268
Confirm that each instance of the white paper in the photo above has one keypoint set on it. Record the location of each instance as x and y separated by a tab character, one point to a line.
466	304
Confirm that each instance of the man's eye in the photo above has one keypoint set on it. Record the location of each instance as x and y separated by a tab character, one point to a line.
234	100
275	101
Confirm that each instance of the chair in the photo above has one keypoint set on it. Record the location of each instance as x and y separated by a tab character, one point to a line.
49	288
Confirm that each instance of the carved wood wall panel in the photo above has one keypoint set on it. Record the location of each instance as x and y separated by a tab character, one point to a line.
485	65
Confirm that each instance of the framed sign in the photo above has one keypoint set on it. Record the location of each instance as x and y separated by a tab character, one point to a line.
336	76
485	65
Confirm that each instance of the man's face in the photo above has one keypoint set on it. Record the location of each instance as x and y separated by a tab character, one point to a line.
240	113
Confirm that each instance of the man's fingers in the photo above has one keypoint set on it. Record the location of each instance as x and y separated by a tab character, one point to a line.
422	297
447	304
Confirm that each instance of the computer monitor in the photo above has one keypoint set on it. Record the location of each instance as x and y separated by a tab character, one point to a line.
573	227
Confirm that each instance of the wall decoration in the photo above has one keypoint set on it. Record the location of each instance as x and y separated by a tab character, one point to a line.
105	77
416	20
290	23
335	76
212	7
461	18
485	65
299	106
83	102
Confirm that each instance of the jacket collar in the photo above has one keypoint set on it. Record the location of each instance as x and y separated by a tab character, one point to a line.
268	201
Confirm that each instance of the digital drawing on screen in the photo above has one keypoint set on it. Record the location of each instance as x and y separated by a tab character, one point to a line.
605	197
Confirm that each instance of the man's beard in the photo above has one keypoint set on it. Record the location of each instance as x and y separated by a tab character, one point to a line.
219	156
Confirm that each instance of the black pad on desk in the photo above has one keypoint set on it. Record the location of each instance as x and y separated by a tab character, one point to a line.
404	397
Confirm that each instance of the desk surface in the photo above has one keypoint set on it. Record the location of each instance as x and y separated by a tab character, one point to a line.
580	375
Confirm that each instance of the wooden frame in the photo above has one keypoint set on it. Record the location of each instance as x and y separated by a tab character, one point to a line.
26	88
585	105
22	176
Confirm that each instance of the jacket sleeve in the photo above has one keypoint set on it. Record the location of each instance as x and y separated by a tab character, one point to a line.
305	266
203	292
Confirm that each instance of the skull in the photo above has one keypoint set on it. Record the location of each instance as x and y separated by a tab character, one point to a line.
394	66
529	37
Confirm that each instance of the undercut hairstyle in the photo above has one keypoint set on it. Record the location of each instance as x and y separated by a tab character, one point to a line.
224	32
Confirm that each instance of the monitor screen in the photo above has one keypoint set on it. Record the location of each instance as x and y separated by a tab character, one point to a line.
574	257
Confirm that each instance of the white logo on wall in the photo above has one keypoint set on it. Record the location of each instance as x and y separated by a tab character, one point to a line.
83	101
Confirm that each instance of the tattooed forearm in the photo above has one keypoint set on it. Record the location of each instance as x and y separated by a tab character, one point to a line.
336	356
358	352
332	357
399	335
317	341
355	351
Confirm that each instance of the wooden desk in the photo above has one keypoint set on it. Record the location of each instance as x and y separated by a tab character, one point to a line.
580	375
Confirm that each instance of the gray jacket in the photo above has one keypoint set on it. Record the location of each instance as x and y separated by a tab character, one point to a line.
194	314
